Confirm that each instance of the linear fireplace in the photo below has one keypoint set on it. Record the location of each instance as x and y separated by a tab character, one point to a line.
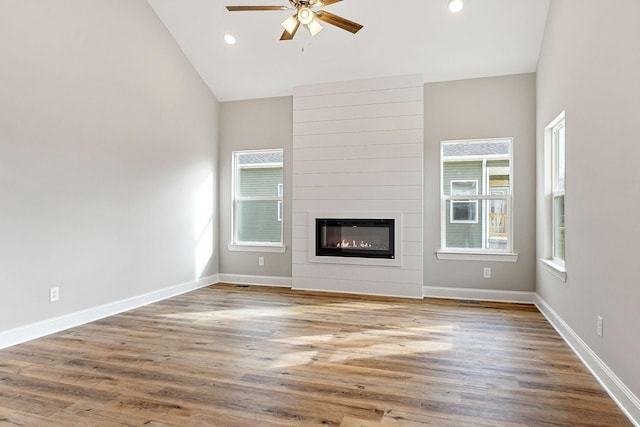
355	237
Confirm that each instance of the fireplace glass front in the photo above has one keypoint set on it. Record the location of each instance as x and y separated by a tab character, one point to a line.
351	237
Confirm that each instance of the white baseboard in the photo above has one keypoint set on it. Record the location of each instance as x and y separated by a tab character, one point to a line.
247	279
479	294
619	392
32	331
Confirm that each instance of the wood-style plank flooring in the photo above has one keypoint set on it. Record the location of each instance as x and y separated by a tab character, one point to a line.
252	356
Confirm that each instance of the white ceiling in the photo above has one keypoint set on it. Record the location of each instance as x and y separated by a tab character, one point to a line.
488	38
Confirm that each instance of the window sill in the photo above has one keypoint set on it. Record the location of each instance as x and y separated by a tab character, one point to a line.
477	256
554	268
258	248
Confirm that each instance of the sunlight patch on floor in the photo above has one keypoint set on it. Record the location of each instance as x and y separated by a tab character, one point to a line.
295	359
390	349
366	335
301	310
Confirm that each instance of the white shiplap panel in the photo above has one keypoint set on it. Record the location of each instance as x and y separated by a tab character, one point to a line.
406	206
299	244
300	218
359	193
412	234
358	125
338	152
412	248
299	257
366	137
362	85
404	164
360	151
359	111
410	262
299	231
334	100
358	147
358	179
412	220
395	150
395	164
323	166
360	272
357	287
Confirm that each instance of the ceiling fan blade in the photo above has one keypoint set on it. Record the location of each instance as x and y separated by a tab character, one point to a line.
244	8
287	36
289	30
338	21
323	3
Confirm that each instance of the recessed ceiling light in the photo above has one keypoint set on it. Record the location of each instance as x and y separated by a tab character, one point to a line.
229	39
455	6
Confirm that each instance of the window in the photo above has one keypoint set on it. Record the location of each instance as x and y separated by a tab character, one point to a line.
464	210
557	188
257	198
476	194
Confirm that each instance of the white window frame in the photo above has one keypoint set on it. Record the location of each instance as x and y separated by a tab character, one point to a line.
557	190
247	246
552	262
481	254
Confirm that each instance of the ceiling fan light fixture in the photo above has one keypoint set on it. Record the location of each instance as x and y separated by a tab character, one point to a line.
305	15
314	27
290	24
455	6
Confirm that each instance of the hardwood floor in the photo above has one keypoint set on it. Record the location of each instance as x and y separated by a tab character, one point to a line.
251	356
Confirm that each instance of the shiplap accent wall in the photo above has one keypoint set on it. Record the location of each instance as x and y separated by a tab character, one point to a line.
358	147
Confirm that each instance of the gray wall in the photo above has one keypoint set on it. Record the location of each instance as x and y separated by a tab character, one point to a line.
252	125
106	135
593	76
471	109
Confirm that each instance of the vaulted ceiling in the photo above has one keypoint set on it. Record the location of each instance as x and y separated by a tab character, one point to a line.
488	38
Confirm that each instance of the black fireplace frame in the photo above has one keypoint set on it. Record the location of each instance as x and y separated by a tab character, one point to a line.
387	223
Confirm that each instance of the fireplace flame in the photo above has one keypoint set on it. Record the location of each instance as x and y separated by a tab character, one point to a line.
353	244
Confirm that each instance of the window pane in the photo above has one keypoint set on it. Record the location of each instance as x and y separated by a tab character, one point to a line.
464	211
476	167
259	158
461	233
558	227
464	188
459	172
258	193
498	224
257	221
498	173
560	170
257	182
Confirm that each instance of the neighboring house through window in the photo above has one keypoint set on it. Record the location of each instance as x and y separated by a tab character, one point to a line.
476	193
257	198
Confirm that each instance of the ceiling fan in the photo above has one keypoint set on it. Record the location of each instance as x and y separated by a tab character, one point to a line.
305	15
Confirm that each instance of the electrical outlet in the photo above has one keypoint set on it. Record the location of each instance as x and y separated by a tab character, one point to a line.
261	261
486	273
54	294
599	326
